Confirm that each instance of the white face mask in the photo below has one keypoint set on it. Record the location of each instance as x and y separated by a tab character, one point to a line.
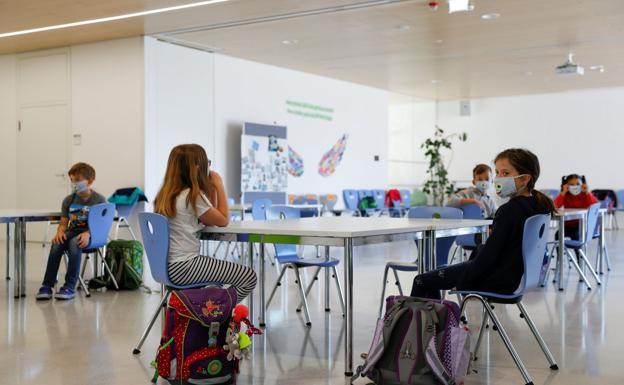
506	186
575	189
483	185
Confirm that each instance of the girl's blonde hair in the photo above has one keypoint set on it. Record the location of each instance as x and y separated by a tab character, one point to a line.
187	168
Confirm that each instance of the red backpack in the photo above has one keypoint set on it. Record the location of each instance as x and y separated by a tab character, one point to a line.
392	196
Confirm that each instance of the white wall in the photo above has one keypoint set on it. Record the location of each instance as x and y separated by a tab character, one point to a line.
253	92
410	122
572	132
8	131
179	105
107	111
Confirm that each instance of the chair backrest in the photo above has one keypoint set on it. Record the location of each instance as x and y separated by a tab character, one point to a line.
365	193
100	220
406	198
380	198
534	238
443	245
350	199
592	221
155	234
291	199
602	194
418	198
299	200
551	192
471	211
283	251
311	199
125	211
620	198
258	209
231	202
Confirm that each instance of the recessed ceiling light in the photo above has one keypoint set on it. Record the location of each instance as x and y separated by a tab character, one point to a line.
529	73
290	42
404	27
111	18
435	81
490	16
439	41
600	68
460	6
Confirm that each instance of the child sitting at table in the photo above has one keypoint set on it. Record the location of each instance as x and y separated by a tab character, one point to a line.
192	197
574	195
72	234
478	193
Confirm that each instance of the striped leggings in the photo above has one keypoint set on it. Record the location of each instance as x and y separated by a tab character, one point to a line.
208	269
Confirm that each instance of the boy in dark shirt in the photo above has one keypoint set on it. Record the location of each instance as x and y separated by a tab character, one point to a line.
72	234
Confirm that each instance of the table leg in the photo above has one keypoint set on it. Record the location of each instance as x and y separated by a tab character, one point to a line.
601	241
327	308
23	258
561	252
583	238
348	279
262	279
8	250
431	242
420	245
16	258
251	295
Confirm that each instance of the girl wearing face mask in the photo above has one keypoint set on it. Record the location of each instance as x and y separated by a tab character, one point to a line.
574	195
497	265
478	193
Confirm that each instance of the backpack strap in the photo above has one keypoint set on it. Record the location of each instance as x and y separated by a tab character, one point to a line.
430	321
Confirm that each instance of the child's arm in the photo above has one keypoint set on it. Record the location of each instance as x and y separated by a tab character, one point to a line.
219	214
60	236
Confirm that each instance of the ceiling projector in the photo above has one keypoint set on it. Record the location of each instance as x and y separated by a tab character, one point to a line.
570	68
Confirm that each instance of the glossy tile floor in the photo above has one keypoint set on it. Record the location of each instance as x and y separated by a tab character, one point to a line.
90	340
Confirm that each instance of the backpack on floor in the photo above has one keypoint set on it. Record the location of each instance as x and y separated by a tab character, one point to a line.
418	341
201	340
125	259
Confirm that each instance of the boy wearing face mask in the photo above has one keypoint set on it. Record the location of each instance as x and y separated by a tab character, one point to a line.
478	193
574	195
72	234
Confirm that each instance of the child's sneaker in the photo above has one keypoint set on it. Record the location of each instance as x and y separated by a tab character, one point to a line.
44	293
65	293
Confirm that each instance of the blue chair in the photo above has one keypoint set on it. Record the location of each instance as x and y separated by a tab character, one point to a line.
380	199
605	252
406	198
351	200
551	192
361	194
100	221
579	245
467	242
443	246
534	240
155	233
287	257
258	209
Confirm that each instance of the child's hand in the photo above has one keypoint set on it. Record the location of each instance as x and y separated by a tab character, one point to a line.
83	239
59	238
565	189
584	188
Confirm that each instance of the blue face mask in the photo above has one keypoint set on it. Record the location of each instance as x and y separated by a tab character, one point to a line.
80	186
483	185
506	186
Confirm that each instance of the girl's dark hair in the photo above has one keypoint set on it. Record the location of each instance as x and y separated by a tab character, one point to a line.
566	178
526	162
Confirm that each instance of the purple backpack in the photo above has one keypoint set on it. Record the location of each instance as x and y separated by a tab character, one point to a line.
418	341
192	346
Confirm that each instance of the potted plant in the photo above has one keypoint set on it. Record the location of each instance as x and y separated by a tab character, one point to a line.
438	186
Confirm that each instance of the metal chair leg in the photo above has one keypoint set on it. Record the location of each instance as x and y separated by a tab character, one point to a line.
484	319
339	289
303	298
397	282
163	302
383	291
108	269
81	281
589	266
277	283
501	331
572	260
309	288
214	255
607	259
538	337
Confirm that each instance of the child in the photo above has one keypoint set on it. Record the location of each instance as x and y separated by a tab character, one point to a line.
497	265
193	197
574	195
478	194
72	234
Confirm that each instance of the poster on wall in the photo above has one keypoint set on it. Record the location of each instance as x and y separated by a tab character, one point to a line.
264	163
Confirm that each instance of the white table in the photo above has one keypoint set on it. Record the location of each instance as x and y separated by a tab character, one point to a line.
344	232
19	218
240	208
